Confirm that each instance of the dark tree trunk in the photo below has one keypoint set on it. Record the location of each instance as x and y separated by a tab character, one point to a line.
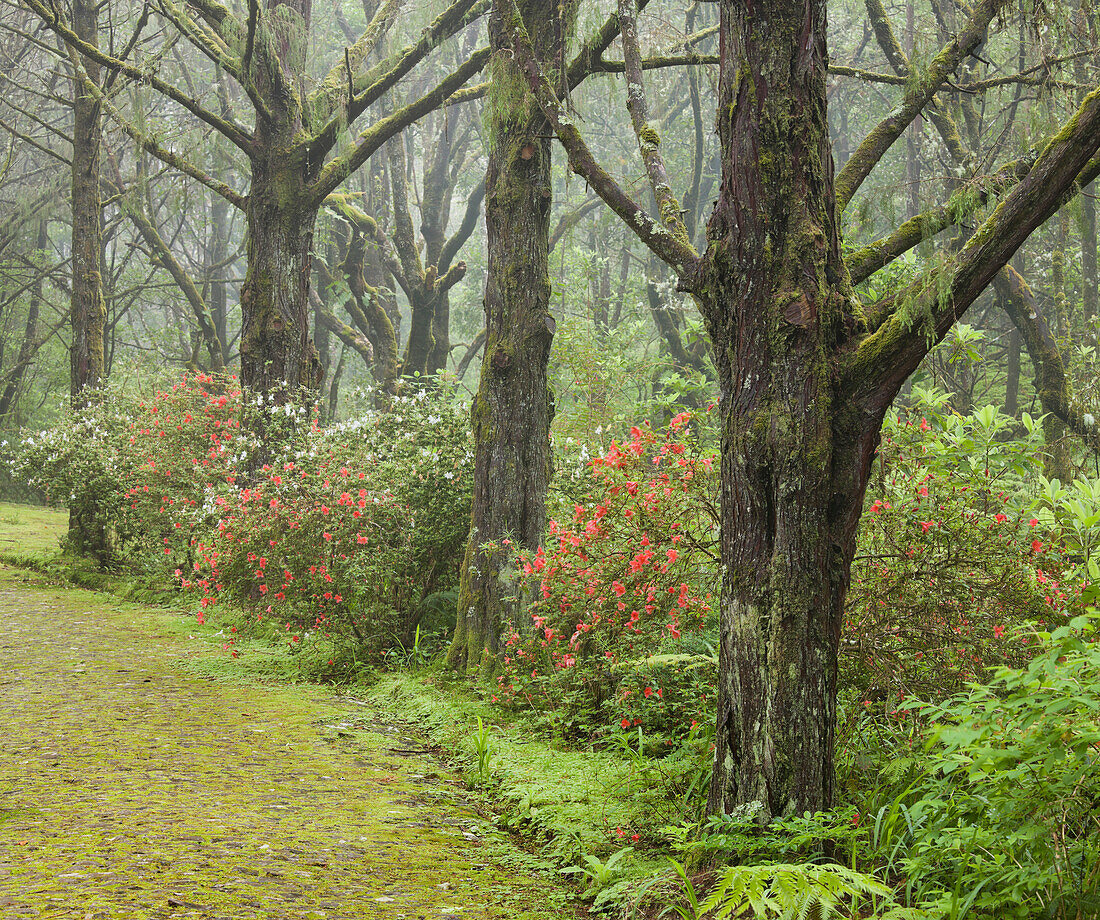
89	311
12	389
513	406
277	354
1012	374
1090	299
88	314
774	299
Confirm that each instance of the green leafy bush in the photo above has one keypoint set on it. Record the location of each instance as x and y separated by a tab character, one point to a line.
952	555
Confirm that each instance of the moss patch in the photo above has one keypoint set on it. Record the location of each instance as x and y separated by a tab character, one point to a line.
30	534
134	785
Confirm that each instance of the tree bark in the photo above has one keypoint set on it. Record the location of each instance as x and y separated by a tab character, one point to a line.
513	405
88	313
277	355
773	296
10	397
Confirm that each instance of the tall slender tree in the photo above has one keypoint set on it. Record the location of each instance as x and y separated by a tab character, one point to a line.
513	406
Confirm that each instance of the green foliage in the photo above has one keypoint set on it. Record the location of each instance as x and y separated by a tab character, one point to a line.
739	836
791	892
952	557
483	749
1005	821
599	874
628	571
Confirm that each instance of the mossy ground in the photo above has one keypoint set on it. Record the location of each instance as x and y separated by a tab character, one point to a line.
134	783
30	535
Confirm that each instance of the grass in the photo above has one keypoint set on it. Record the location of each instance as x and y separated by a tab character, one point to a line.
31	536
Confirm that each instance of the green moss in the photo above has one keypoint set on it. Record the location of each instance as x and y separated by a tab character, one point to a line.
140	786
31	535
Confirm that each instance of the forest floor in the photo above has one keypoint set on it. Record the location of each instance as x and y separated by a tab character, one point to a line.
139	780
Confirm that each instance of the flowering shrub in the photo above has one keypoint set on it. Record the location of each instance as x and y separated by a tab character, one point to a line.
352	531
179	451
952	556
629	566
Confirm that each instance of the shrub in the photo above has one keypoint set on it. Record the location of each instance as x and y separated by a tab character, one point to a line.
355	531
631	565
352	532
1004	819
951	556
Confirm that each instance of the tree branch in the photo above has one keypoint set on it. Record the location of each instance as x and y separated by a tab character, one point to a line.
885	358
649	140
918	94
381	131
1050	373
682	257
233	132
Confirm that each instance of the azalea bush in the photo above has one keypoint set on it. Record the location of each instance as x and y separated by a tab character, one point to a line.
630	566
355	533
953	555
352	535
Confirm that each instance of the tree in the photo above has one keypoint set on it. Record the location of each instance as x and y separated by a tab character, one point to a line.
806	371
290	147
513	405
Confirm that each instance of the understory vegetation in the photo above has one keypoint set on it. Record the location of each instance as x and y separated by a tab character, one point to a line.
969	743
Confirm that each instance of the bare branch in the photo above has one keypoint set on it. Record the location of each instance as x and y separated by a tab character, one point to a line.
235	133
917	95
682	257
649	140
381	131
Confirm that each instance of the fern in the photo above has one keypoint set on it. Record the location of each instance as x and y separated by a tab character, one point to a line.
790	892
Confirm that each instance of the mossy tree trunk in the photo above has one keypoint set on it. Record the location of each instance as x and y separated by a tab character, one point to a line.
513	406
775	301
806	373
277	354
88	311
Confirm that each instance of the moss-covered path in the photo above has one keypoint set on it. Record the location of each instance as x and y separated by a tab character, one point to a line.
133	786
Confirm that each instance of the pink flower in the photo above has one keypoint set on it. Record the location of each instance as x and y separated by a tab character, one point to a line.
998	630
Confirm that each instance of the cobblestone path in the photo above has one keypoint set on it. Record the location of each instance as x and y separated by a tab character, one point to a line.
131	786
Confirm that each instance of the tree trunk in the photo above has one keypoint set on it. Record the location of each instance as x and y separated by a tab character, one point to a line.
773	295
277	355
218	250
10	397
513	406
88	315
89	311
